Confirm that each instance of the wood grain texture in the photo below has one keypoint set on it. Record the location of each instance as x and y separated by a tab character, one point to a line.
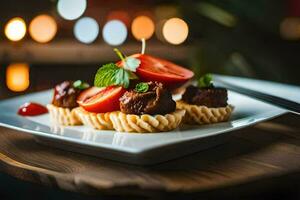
267	150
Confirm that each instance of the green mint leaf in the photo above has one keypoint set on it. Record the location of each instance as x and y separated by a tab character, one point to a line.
205	81
104	75
132	64
111	74
142	87
122	78
80	85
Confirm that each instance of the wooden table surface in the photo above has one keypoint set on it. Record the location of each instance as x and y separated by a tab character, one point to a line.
255	158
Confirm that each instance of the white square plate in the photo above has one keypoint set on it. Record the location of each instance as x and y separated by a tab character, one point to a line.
145	149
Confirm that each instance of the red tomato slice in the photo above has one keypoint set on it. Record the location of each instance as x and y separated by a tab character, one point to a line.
101	100
156	69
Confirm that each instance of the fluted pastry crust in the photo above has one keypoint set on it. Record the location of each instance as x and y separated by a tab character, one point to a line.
99	121
146	123
203	115
63	116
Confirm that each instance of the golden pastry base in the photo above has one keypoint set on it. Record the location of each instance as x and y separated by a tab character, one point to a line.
204	115
131	123
63	116
146	123
99	121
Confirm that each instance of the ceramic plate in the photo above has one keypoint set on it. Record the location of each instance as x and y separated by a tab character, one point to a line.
145	149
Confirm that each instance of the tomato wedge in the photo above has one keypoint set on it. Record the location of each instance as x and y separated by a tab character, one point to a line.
156	69
101	100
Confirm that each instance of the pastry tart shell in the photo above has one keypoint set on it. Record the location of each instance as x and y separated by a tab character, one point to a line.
203	115
63	116
100	121
146	123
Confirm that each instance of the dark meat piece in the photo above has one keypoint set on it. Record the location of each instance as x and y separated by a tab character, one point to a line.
157	100
210	97
65	95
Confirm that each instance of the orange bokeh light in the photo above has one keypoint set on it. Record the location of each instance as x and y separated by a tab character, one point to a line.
43	28
175	31
142	27
17	77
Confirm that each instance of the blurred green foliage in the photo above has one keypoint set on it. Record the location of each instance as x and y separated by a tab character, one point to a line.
243	39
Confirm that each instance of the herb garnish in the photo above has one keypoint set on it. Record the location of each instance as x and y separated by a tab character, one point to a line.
80	85
111	74
205	81
129	63
142	87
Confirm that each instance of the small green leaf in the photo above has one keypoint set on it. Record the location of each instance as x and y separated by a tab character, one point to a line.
111	74
132	64
205	81
77	83
142	87
122	78
80	85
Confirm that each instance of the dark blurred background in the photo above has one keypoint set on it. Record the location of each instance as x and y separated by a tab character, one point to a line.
257	38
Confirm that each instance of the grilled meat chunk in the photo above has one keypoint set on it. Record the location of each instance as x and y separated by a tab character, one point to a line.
157	100
210	97
65	95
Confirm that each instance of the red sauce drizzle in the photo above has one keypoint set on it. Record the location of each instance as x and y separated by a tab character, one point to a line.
32	109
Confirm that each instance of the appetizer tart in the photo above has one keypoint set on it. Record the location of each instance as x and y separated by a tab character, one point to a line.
120	100
205	104
64	101
147	108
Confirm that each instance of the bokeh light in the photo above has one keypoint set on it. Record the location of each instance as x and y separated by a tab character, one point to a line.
86	30
175	31
71	9
17	77
114	32
142	27
290	28
15	29
43	28
121	15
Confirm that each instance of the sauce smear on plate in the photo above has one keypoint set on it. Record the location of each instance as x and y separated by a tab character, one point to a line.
32	109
